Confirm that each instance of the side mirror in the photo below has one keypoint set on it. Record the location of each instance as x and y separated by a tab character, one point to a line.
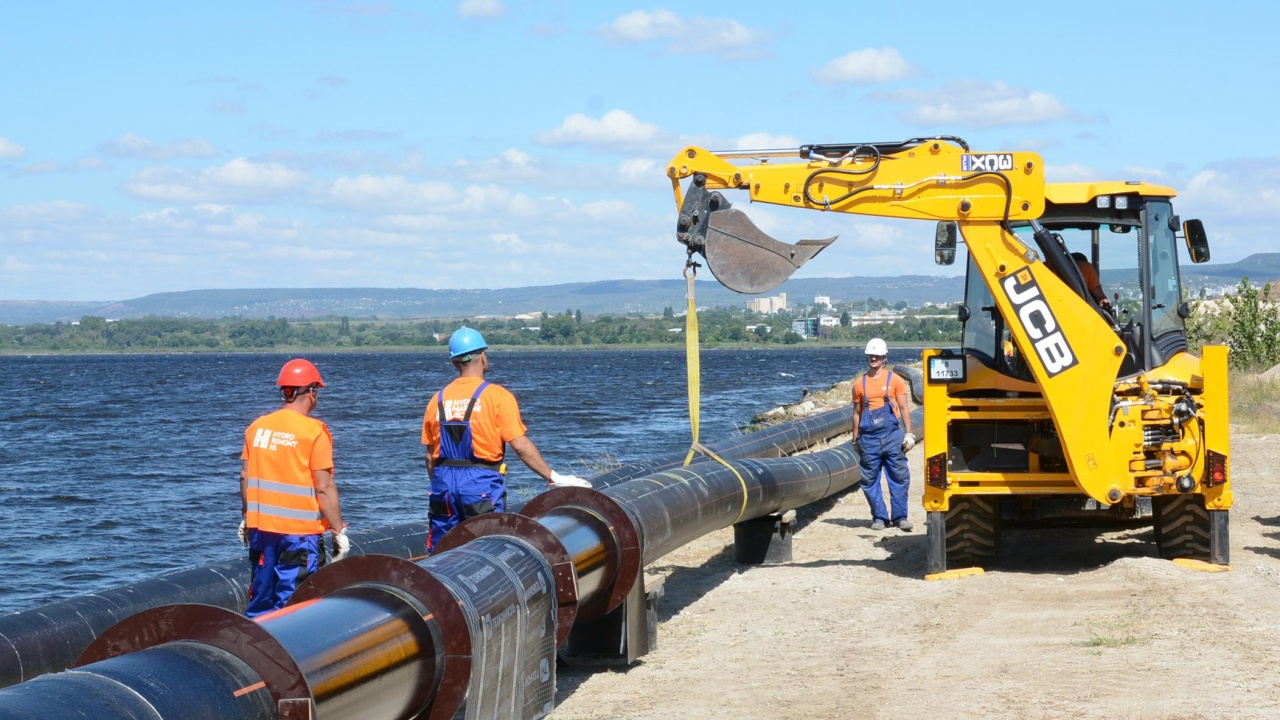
1184	310
1197	241
944	243
962	313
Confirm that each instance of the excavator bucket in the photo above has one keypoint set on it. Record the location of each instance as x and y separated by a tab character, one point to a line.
741	256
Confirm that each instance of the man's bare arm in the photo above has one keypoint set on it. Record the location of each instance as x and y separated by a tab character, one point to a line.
529	455
327	497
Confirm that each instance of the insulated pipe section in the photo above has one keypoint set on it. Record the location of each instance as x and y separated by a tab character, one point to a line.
367	651
675	507
678	506
50	638
186	680
364	650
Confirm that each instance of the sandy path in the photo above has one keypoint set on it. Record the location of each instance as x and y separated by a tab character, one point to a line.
1073	623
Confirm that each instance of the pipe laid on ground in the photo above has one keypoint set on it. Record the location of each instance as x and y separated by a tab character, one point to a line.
381	641
49	638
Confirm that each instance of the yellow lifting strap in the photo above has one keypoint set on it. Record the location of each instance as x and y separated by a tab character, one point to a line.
694	368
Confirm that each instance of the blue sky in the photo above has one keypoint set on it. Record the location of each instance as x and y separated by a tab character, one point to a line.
157	146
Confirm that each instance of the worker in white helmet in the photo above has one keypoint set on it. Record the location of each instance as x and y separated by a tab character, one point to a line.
882	435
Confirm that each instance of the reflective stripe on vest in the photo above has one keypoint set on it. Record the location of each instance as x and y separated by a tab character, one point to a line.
286	512
282	507
280	495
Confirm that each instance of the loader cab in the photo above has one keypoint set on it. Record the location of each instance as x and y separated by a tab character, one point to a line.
1129	235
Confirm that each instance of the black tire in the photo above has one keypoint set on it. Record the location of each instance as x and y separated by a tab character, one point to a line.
1181	525
973	531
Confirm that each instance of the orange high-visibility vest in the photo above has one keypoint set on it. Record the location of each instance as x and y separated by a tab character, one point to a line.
283	449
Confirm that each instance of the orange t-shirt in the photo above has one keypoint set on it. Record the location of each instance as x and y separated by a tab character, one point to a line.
875	391
282	449
1090	276
495	421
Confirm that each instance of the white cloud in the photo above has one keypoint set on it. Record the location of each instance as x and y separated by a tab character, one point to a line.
481	9
1237	191
238	181
86	163
510	243
641	26
981	105
720	37
641	170
50	213
765	141
1070	172
10	150
869	66
133	146
1154	175
371	193
614	128
614	210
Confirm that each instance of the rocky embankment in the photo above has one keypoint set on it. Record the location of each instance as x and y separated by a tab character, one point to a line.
811	403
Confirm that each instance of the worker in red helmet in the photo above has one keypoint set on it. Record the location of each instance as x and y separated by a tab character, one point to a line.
466	429
287	492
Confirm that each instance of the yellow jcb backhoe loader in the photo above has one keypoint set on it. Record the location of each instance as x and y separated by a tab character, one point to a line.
1058	402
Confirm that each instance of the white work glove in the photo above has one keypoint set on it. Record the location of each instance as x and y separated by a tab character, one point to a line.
558	480
243	534
908	442
341	544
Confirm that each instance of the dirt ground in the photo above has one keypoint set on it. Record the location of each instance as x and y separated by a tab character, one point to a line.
1070	623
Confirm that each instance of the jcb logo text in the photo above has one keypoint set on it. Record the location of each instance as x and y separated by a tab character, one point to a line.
1038	321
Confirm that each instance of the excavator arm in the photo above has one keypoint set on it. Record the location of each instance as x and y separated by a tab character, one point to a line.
1073	353
924	179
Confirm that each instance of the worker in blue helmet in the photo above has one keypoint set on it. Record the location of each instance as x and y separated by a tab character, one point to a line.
466	429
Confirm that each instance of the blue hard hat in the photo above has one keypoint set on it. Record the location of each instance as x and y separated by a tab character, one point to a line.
465	341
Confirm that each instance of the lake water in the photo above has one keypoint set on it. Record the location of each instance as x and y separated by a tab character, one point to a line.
114	468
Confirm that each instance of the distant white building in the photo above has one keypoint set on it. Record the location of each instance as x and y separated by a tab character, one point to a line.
768	305
822	300
828	321
806	328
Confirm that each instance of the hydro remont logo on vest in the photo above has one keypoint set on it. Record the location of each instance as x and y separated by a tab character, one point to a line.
269	439
1037	319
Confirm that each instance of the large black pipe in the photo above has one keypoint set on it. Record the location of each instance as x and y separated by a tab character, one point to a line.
380	649
49	638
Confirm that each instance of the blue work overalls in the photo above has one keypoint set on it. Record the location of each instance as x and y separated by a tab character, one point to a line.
279	564
462	485
880	447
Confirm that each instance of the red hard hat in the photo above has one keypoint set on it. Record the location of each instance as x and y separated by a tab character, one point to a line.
299	373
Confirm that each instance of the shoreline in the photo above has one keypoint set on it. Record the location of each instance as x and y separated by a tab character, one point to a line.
442	349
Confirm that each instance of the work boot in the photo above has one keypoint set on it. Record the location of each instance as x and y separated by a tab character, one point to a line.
904	525
877	525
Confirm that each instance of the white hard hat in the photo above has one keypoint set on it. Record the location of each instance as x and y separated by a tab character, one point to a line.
876	346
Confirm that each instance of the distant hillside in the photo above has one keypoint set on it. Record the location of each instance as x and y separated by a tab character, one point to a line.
610	296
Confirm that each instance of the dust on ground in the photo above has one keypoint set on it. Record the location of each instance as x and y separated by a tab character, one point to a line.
1070	623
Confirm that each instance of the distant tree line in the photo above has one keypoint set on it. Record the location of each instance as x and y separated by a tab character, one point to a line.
716	326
